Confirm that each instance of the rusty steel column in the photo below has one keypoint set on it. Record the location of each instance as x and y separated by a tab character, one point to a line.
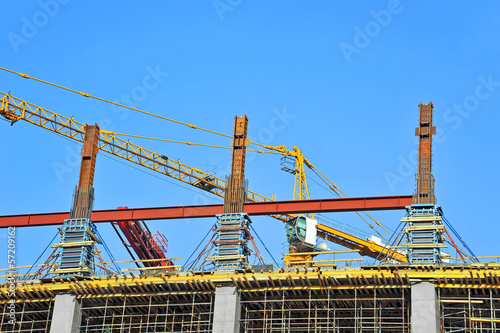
78	234
424	227
424	189
232	226
234	198
84	193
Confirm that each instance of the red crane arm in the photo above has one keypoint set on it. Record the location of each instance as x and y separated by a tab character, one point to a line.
143	242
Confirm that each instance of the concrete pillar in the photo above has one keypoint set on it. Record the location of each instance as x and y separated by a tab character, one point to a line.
424	308
227	310
67	315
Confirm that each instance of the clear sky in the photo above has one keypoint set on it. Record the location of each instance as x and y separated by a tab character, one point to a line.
341	80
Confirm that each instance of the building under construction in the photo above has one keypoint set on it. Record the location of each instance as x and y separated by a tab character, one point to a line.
413	286
369	299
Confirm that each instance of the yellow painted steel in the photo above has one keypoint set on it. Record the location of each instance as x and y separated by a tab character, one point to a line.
148	268
142	260
338	260
364	245
485	320
300	189
322	252
294	259
478	257
72	244
421	218
426	227
420	245
467	286
455	277
20	267
72	270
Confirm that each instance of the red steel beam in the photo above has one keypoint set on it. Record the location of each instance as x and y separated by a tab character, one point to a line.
252	208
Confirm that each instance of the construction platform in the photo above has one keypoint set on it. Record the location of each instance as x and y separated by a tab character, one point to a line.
451	298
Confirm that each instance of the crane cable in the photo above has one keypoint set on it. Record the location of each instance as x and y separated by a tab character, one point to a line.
165	140
281	150
26	76
182	142
330	184
325	179
334	188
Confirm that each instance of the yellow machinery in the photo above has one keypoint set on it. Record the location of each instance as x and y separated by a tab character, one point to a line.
301	250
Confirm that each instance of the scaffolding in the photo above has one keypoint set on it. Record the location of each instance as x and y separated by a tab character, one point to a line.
171	313
469	310
362	299
327	310
30	317
270	311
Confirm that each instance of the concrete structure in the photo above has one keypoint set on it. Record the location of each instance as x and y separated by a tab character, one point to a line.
398	298
424	308
227	310
67	315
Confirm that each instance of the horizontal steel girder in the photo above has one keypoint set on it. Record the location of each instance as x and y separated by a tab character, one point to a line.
251	208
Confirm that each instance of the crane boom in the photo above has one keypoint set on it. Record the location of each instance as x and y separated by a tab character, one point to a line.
366	247
144	243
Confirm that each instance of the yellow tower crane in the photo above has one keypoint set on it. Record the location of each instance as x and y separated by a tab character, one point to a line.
302	246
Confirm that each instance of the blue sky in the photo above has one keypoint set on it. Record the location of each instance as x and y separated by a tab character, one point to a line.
341	80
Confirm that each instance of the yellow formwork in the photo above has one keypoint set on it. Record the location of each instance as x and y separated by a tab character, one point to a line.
378	277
